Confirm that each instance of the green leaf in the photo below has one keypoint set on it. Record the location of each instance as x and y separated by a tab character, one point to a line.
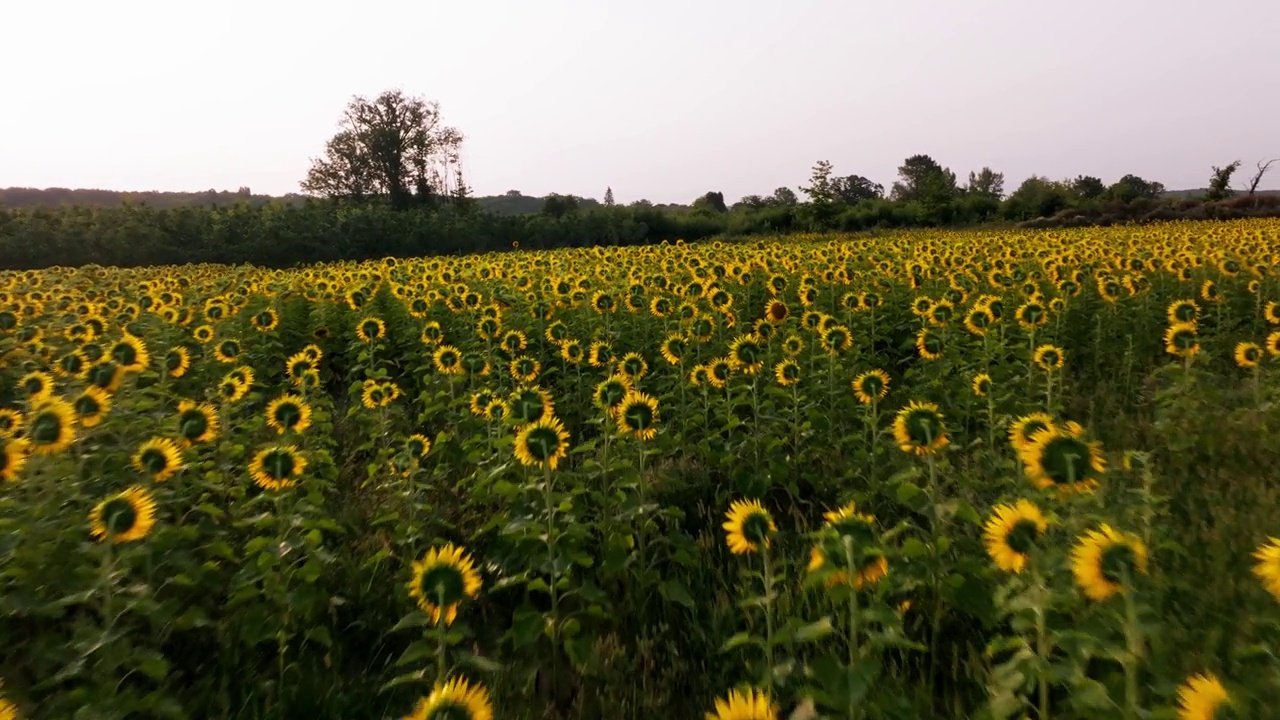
320	635
415	619
815	630
675	591
526	625
742	638
914	548
416	651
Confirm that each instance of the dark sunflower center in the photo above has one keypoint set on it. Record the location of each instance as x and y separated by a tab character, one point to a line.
72	364
755	527
193	424
34	386
1185	313
86	406
278	464
836	338
119	516
1022	536
288	414
633	366
923	427
448	359
604	355
702	327
230	388
932	343
264	319
942	313
791	371
638	416
525	366
475	364
1066	460
443	585
980	319
559	332
612	393
1049	357
872	386
721	371
8	320
1184	339
1118	562
415	447
528	407
46	429
1252	354
154	460
173	361
229	348
370	329
542	443
125	354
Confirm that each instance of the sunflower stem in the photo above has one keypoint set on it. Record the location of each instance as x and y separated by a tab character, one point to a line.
1133	642
855	649
441	638
1042	649
768	619
548	499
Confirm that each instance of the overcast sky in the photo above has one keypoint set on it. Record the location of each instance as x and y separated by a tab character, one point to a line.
660	99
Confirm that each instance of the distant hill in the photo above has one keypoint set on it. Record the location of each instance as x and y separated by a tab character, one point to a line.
1199	193
19	197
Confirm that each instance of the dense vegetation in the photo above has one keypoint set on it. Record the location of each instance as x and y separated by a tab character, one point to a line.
965	474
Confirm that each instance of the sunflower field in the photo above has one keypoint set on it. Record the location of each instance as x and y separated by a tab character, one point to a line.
1018	474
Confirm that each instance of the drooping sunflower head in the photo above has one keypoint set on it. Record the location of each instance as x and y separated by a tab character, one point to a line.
1060	458
13	456
929	344
177	361
277	467
1011	532
836	339
441	580
981	384
447	360
130	353
1181	340
91	406
160	458
1025	427
919	429
288	413
749	704
10	422
197	423
871	386
846	549
51	426
417	446
455	699
1183	311
125	517
37	384
227	351
1267	568
637	415
371	329
748	527
1248	354
1049	358
1202	697
1106	561
787	372
543	443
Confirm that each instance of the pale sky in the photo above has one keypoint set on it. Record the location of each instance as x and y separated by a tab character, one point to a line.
660	99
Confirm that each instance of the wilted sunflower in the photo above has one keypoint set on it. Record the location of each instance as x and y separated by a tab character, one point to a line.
637	415
1201	697
227	351
1059	457
197	423
1268	567
38	385
918	429
871	386
125	517
981	384
91	406
161	458
51	426
1011	533
829	551
278	467
1180	340
749	704
1104	559
177	361
1025	427
447	360
748	527
543	443
454	700
1248	354
10	422
787	372
13	456
441	580
288	413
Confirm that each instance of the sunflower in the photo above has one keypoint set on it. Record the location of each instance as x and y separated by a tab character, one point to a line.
674	347
524	369
719	370
130	354
1209	291
871	386
1201	697
776	311
1182	311
92	406
748	527
197	423
38	385
1273	344
829	553
918	429
232	388
448	360
417	446
454	700
161	458
601	354
530	404
227	351
1023	428
177	361
374	394
981	384
792	345
571	351
51	426
13	455
929	344
497	410
1059	457
431	334
787	372
10	422
637	415
633	366
1272	312
1103	560
1180	340
288	413
277	467
370	329
1268	567
479	402
543	443
749	704
979	320
611	391
203	334
124	517
441	580
8	711
1049	358
514	341
1011	533
1248	354
487	328
106	375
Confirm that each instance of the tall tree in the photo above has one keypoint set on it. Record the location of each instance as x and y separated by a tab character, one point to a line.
1257	177
785	196
987	183
1087	187
558	206
711	202
1131	187
856	188
819	190
924	180
608	197
1220	182
393	146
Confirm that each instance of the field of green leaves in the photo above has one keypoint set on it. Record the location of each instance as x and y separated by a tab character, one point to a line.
1022	474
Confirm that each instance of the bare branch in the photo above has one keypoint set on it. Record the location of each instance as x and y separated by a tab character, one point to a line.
1257	178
